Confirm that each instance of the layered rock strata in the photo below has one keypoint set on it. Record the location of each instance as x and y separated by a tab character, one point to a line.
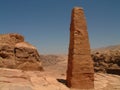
16	53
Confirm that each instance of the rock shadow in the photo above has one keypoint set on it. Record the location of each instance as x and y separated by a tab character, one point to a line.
63	81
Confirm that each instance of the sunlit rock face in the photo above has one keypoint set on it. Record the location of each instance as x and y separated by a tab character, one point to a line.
18	54
80	73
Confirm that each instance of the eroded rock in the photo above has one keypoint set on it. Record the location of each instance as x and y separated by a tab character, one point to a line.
80	73
107	61
16	53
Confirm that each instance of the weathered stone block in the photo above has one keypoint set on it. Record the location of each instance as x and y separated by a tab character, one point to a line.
82	76
84	84
85	68
80	73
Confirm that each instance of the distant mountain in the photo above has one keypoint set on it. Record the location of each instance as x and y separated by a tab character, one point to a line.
107	48
106	59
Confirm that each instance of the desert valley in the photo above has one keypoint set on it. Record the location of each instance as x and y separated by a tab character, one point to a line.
24	66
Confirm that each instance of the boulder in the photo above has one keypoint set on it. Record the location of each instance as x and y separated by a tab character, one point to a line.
16	53
26	52
27	56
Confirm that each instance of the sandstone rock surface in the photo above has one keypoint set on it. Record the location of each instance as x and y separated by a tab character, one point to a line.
16	53
107	60
80	73
13	79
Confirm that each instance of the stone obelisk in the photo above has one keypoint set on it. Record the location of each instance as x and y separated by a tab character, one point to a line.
80	72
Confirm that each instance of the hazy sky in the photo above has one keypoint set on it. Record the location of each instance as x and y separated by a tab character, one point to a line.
45	23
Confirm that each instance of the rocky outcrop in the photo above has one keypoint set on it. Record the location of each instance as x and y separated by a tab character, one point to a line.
26	52
107	61
11	39
13	79
80	73
6	51
16	53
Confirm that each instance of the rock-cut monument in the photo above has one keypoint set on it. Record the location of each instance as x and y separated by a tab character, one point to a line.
80	72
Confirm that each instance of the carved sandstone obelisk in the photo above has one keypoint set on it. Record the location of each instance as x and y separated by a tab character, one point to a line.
80	73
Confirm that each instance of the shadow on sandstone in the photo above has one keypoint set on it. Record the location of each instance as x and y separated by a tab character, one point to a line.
63	81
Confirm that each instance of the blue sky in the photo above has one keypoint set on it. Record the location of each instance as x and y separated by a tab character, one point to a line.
45	23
